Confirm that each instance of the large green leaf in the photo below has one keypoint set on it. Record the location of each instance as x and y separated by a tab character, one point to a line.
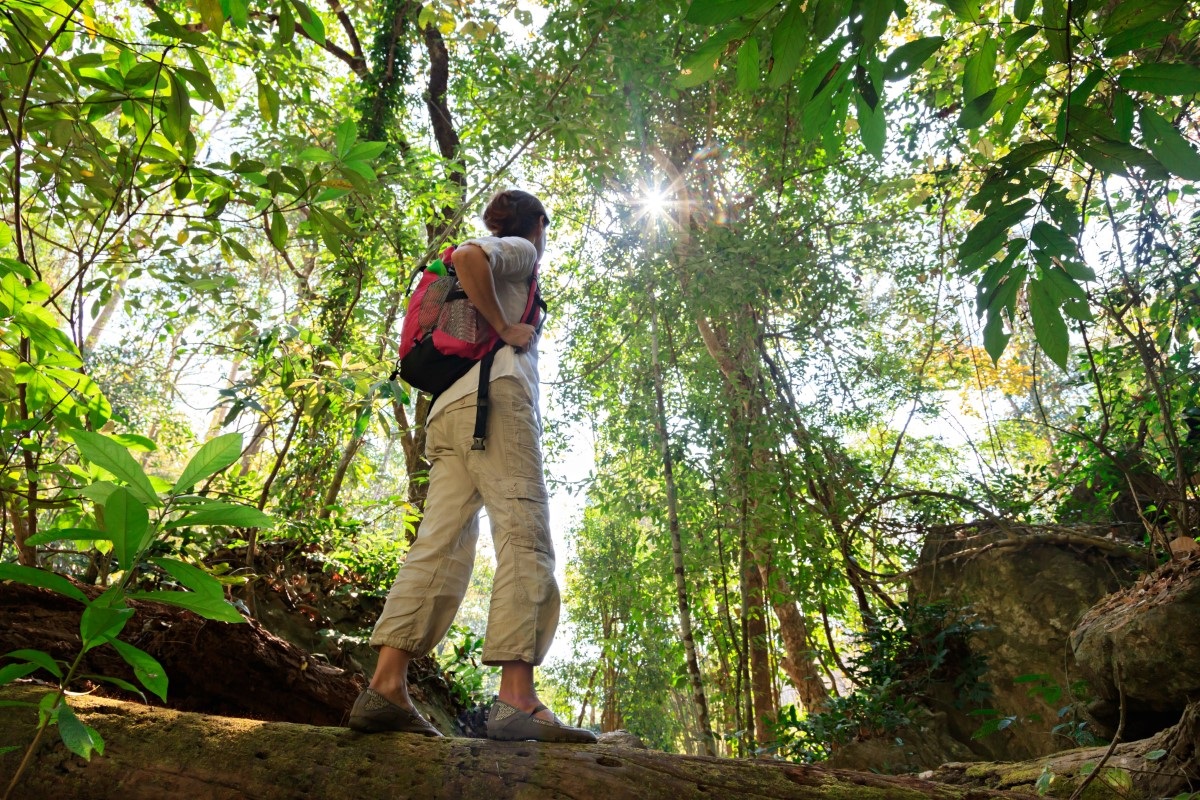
214	456
908	58
1048	326
1164	79
979	72
32	576
63	534
104	452
192	577
788	44
714	12
100	623
207	606
748	72
872	125
147	669
218	513
37	657
128	524
12	672
80	739
1168	145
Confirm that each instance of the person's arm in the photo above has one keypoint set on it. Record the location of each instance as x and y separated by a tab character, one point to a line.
475	275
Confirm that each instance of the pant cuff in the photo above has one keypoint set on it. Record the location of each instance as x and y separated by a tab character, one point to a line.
494	657
408	645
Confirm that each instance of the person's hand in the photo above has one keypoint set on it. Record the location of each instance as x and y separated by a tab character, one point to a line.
519	335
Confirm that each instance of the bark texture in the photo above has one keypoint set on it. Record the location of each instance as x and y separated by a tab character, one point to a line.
154	753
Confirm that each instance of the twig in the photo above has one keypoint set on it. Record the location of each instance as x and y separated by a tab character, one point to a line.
1078	793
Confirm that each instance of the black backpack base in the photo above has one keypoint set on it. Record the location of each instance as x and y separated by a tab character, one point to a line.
430	371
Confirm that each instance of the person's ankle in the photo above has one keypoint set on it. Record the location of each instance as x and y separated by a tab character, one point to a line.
393	692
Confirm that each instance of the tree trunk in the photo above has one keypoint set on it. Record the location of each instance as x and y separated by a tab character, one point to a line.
152	753
760	652
707	741
339	476
97	329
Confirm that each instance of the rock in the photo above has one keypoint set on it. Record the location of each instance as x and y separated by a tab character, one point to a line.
1028	589
908	750
1144	642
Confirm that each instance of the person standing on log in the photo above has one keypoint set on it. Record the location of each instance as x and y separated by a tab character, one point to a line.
505	478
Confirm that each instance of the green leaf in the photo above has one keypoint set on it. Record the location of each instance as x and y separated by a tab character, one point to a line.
317	155
714	12
133	441
1151	33
995	223
1168	145
827	17
32	576
104	452
344	138
192	577
1013	42
128	524
747	66
40	659
178	120
787	44
1048	326
1155	755
1022	9
278	229
1163	79
209	607
100	623
908	58
875	16
1051	239
118	682
217	513
12	672
239	14
80	739
984	107
1126	16
310	23
211	14
966	10
872	125
979	72
64	534
214	456
268	101
145	667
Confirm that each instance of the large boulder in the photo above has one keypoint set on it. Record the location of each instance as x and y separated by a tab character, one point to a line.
1028	588
1143	643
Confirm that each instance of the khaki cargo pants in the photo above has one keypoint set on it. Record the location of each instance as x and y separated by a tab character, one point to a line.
507	480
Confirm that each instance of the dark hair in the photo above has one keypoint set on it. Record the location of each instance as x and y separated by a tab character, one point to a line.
513	212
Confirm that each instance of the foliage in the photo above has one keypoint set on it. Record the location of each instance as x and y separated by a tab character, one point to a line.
900	660
131	518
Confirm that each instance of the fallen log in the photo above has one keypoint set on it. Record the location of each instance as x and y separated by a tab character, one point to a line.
151	753
1163	765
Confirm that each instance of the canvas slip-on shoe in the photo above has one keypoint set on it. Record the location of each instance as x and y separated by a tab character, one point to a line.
510	724
374	713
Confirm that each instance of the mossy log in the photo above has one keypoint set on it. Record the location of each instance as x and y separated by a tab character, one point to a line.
1163	765
151	753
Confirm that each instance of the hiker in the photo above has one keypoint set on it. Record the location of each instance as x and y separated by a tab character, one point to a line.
506	477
